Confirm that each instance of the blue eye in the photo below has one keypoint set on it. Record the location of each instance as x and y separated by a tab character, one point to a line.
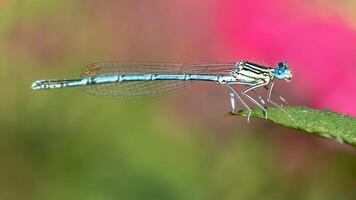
280	70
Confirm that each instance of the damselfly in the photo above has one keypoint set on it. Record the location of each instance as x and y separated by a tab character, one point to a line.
130	80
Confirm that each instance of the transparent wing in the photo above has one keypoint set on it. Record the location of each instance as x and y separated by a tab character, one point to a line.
143	89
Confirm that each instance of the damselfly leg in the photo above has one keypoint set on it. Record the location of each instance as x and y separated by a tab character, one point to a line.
232	102
260	98
240	100
271	92
244	92
280	106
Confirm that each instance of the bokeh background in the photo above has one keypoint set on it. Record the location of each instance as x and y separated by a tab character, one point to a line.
65	144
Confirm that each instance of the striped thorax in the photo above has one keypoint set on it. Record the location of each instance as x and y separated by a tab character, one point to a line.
250	73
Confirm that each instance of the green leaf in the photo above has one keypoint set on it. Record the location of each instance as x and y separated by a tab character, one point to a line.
323	123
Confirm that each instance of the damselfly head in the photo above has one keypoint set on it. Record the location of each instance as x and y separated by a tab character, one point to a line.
282	71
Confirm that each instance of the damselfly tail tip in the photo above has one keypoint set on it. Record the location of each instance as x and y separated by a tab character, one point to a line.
37	85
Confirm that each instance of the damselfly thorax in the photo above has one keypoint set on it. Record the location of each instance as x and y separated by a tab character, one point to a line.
249	73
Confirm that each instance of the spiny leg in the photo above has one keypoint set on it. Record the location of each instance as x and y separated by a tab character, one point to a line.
260	98
284	102
241	101
269	94
232	100
244	92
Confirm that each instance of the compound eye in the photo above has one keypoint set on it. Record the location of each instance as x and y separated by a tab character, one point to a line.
280	73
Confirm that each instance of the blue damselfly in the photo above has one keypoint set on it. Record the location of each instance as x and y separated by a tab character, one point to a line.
130	80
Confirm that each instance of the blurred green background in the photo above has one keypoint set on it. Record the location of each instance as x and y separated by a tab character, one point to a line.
65	144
